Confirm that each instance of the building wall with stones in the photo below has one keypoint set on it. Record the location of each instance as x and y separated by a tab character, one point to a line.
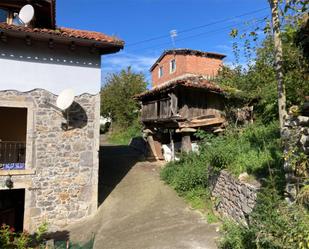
235	198
296	137
61	174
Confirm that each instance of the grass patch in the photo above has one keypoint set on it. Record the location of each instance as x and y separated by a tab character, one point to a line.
254	149
199	199
274	224
120	136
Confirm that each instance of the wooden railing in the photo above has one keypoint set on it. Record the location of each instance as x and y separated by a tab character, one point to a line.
12	155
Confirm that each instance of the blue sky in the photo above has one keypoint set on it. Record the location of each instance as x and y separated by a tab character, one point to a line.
136	21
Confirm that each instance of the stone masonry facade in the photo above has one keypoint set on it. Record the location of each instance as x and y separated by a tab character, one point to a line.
235	198
296	137
61	175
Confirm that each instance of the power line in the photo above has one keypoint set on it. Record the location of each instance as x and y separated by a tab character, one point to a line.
262	19
197	27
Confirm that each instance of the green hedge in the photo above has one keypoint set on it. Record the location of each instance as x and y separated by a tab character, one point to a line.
273	224
254	149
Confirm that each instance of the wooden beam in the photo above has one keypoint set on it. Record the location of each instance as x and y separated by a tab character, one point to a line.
28	40
3	37
51	43
201	122
17	172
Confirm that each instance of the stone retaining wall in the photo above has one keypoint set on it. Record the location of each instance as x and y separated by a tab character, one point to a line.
296	136
235	198
61	176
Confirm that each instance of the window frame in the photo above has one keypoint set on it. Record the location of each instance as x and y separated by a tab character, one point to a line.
173	69
29	160
160	72
4	11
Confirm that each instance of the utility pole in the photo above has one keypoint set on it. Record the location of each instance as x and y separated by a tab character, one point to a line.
274	5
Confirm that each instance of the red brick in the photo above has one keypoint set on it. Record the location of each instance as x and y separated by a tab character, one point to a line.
185	64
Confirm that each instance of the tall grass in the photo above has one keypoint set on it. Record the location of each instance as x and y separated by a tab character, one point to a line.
254	149
123	136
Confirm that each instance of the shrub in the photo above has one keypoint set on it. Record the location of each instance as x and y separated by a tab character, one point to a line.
252	150
273	224
187	174
235	236
9	239
122	136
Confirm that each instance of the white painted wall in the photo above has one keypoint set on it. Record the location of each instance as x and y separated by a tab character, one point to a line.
25	68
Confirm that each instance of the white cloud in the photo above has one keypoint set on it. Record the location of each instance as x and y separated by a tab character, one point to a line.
224	47
117	62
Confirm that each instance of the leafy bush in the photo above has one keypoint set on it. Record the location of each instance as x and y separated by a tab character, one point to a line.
117	94
252	150
273	224
235	236
123	136
9	239
187	174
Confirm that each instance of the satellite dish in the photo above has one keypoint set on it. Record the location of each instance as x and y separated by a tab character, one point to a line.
65	99
26	14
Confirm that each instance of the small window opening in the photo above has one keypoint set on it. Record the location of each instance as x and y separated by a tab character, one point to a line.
3	15
12	205
172	66
160	72
13	132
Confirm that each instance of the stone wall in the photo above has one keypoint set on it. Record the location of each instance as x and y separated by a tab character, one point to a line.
296	136
235	198
61	175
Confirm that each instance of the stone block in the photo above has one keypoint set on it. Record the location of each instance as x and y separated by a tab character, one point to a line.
34	212
237	199
86	158
303	120
304	140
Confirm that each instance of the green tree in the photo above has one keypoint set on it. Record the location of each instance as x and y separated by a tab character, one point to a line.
117	100
258	81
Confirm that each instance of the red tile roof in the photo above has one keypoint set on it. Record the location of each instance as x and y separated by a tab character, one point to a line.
65	33
190	82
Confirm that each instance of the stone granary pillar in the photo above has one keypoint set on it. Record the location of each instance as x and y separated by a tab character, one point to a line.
154	144
186	133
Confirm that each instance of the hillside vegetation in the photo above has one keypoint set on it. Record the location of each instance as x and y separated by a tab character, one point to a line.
119	105
255	149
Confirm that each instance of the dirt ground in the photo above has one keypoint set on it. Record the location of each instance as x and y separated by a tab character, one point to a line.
138	211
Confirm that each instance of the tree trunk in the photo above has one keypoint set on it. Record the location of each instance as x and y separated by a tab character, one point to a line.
278	62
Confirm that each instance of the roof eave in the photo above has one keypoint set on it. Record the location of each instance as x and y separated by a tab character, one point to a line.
151	93
104	47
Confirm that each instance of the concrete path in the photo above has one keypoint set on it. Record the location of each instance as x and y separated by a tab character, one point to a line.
139	211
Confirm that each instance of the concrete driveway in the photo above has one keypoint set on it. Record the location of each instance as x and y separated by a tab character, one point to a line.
139	211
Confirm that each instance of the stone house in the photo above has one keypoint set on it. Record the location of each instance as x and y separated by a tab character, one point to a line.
48	160
183	98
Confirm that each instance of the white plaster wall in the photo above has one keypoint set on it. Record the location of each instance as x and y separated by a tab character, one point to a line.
25	68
